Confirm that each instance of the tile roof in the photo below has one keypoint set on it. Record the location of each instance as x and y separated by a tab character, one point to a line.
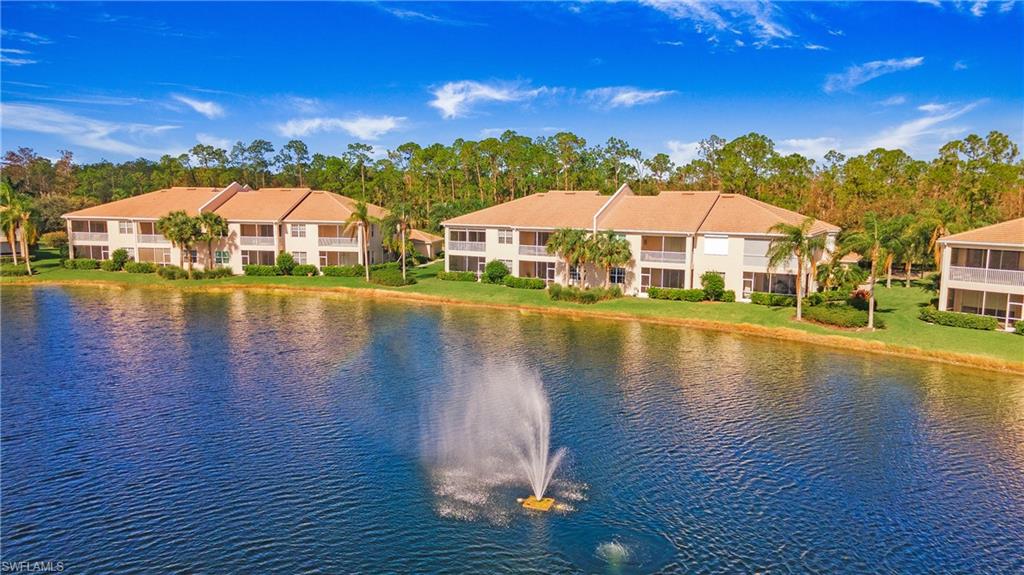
320	206
152	205
555	209
739	214
422	236
666	212
1004	233
266	204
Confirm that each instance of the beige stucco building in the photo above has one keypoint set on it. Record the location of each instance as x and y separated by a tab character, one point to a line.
674	237
983	272
310	224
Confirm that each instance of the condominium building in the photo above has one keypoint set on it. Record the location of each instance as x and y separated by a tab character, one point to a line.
674	238
310	224
983	272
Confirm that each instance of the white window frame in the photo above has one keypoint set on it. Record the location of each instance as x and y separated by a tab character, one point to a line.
716	245
126	227
299	257
617	276
574	274
297	230
504	236
221	257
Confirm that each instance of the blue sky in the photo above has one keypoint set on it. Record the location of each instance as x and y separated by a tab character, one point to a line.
119	80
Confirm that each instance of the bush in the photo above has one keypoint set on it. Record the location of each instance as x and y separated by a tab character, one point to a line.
1018	328
840	315
713	284
772	299
119	257
818	298
352	271
285	263
526	283
957	319
385	266
495	272
305	270
171	273
84	264
140	267
391	277
860	298
729	296
676	294
215	273
457	276
588	296
109	266
20	270
54	239
261	270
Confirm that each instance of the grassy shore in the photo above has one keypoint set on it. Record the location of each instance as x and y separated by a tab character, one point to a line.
904	335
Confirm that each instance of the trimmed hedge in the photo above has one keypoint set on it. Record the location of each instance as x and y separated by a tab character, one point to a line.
109	266
390	277
729	296
20	270
818	298
457	276
840	315
140	267
676	294
772	299
261	270
215	273
526	283
171	273
957	319
82	264
352	271
1018	328
305	270
588	296
495	272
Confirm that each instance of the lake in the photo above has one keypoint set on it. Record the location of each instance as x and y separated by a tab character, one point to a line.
153	431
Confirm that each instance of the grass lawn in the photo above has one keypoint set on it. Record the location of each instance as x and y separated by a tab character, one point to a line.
898	306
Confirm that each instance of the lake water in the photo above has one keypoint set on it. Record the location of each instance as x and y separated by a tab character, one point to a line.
155	431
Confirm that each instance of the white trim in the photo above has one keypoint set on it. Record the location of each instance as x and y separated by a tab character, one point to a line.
954	243
604	206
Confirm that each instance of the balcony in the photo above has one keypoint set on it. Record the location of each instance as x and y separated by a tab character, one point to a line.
665	257
89	236
532	250
152	239
987	276
257	240
467	246
762	262
338	242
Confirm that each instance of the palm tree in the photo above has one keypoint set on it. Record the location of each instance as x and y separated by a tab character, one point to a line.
212	227
871	241
358	221
401	223
17	216
8	219
610	251
570	244
182	230
795	242
28	233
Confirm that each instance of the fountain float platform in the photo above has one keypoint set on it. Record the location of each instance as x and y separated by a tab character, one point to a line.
534	504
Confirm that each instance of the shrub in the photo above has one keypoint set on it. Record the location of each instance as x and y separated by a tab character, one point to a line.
119	257
1018	328
772	299
85	264
818	298
109	266
957	319
140	267
676	294
495	272
588	296
211	274
285	263
54	239
261	270
352	271
171	273
860	298
528	283
713	284
19	270
457	276
305	270
840	315
729	295
391	277
384	266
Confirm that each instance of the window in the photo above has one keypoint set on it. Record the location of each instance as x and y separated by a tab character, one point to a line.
618	275
257	230
300	257
504	236
508	264
1006	260
148	228
92	252
131	253
466	263
261	257
191	256
155	255
338	259
126	228
716	245
574	273
298	230
467	236
221	258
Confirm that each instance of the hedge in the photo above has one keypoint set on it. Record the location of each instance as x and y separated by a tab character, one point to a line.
956	319
772	299
818	298
305	270
676	294
353	271
20	270
391	277
528	283
495	272
841	315
1018	328
713	284
119	257
140	267
172	273
285	262
215	273
729	295
457	276
109	266
260	270
572	293
82	264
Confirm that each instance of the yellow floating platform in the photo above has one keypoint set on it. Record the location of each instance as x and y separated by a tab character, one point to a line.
535	504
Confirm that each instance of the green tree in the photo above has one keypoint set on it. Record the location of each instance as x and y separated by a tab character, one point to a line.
796	242
870	241
398	225
212	227
182	230
570	244
610	250
359	221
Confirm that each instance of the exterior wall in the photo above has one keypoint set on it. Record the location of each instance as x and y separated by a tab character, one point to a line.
427	249
993	283
311	243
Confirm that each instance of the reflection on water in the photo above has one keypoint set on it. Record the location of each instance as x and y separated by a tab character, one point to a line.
151	431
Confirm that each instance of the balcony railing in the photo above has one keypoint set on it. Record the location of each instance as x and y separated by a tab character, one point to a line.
987	276
666	257
531	250
257	240
338	242
762	262
89	236
467	246
152	239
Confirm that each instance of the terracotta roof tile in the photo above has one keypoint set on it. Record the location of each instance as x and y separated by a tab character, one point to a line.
422	236
555	209
666	212
263	205
1004	233
152	205
320	206
739	214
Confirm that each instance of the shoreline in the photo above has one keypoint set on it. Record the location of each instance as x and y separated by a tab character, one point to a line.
765	332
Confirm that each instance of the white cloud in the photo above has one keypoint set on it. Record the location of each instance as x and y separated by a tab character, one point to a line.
894	101
406	14
14	60
207	108
959	65
26	37
209	140
455	99
856	75
932	108
810	46
362	127
625	96
82	131
837	32
1006	6
758	19
671	42
815	148
682	152
907	134
978	8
